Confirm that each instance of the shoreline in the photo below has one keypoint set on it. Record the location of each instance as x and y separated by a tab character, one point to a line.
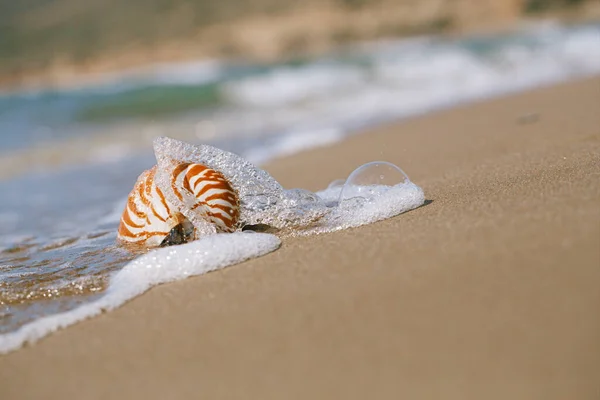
488	291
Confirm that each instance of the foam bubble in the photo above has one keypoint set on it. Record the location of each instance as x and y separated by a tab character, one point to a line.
378	203
293	85
367	179
294	142
156	267
336	183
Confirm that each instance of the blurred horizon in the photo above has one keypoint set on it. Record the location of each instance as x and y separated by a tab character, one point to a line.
45	43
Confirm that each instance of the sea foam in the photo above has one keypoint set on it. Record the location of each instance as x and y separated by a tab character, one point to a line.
373	192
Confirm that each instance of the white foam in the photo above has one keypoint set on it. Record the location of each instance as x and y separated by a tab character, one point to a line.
397	80
293	143
291	85
156	267
382	203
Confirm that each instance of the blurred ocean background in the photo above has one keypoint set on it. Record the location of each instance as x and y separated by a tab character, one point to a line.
70	153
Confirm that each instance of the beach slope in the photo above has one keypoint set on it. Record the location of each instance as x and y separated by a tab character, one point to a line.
489	291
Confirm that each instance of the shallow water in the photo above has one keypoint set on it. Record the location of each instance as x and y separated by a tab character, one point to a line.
68	158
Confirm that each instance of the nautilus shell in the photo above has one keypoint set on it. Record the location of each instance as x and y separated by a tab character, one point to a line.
200	190
151	220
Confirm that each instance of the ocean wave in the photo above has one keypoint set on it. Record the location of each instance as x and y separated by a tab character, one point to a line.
370	84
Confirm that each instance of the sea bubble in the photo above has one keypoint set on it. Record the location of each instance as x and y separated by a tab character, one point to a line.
372	179
338	183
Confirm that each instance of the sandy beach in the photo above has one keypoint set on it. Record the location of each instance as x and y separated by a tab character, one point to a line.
489	291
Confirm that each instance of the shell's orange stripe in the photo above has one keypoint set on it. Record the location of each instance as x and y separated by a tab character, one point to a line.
148	191
124	231
134	209
214	215
163	200
226	225
179	168
174	176
203	179
195	169
127	219
145	200
148	187
228	222
221	196
216	177
145	235
224	221
217	185
197	205
156	214
229	210
176	190
142	189
150	234
186	182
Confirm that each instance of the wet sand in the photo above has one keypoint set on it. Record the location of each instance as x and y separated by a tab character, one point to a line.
490	291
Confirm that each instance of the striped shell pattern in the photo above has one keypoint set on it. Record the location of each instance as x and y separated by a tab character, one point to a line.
149	218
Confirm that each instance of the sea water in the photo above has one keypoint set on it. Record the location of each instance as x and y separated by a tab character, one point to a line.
69	156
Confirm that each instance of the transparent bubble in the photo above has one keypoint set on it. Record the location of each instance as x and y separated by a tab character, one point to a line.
336	184
372	179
